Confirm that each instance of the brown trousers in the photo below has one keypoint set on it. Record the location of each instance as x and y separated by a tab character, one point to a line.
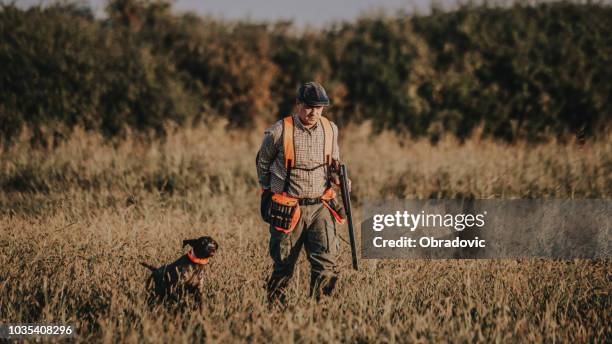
316	232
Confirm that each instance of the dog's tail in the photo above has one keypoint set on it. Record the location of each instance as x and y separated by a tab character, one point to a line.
148	266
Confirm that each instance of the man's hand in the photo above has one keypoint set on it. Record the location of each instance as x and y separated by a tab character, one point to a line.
266	198
335	166
335	178
266	195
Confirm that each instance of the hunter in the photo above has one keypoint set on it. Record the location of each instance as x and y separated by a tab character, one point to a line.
296	167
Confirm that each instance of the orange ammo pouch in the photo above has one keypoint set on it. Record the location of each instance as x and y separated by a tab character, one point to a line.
285	212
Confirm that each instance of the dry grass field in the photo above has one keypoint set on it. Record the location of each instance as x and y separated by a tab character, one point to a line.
77	220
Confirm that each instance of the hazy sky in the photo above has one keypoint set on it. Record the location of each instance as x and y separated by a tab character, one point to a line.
303	12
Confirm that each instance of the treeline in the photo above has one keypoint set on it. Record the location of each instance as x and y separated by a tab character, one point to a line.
516	72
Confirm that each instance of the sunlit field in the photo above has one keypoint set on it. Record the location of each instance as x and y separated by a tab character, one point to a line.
77	220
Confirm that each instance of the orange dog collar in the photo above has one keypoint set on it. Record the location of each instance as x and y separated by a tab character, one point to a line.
195	259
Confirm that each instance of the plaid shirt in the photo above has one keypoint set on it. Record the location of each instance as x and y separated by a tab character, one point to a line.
307	180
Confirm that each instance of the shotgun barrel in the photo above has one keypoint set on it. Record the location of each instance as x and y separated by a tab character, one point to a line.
346	199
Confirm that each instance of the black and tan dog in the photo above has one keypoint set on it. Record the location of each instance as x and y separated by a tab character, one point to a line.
173	281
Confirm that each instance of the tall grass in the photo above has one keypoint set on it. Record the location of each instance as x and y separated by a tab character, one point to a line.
76	221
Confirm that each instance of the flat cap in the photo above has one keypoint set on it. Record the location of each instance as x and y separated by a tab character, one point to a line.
312	94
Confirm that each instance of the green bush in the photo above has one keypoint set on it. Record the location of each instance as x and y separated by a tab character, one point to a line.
522	71
512	72
62	68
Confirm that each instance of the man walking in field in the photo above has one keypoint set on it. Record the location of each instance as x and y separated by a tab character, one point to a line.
294	165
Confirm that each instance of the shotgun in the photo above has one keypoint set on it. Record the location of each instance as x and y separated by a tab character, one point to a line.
346	199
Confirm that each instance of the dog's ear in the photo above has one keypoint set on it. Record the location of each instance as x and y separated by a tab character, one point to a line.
189	242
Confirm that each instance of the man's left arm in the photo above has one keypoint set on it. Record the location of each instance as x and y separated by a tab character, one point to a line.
335	148
336	158
265	157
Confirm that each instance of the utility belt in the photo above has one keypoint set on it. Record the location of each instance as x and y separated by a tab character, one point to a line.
283	211
309	201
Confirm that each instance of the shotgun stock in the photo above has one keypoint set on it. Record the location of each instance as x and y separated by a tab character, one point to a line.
346	199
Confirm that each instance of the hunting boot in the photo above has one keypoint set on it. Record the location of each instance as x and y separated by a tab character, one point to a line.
277	287
322	285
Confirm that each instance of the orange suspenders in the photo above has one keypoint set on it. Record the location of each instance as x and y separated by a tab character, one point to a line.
288	142
288	128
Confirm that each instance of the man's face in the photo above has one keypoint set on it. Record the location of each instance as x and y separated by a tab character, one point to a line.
309	115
